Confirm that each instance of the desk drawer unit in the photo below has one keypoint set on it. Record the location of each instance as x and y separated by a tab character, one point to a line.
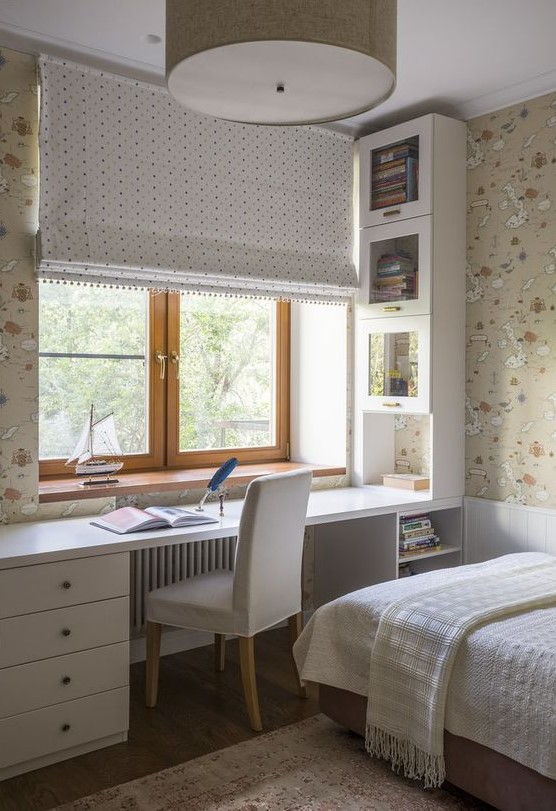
66	630
63	678
32	735
68	582
64	660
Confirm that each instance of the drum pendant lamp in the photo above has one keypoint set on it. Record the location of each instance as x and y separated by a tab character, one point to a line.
281	61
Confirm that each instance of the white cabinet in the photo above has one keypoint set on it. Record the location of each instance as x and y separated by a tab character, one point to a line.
394	360
411	360
395	269
396	172
352	555
446	523
64	660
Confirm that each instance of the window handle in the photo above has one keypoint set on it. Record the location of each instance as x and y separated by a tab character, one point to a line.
161	358
175	359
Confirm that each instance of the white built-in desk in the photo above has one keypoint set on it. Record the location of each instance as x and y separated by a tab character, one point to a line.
34	542
64	608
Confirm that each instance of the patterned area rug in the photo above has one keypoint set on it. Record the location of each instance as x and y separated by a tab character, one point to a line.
314	765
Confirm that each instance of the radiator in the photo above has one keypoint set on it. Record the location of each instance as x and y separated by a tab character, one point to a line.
154	568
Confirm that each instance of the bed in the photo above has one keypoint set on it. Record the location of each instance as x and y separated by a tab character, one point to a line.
499	717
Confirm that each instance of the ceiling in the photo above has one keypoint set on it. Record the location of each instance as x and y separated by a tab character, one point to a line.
458	57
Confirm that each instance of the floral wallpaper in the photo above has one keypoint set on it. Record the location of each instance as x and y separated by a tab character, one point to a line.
412	443
511	305
18	291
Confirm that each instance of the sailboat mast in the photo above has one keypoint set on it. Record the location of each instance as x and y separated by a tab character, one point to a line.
91	432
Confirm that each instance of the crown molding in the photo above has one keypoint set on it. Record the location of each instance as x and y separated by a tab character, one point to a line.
21	39
507	96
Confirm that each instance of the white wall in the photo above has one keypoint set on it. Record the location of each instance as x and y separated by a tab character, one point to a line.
319	356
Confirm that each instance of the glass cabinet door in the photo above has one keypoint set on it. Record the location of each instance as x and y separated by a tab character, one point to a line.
395	173
393	364
395	268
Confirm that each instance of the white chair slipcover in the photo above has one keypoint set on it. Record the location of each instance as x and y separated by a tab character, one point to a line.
264	589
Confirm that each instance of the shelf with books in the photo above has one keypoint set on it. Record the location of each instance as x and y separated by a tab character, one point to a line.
417	536
443	550
411	274
395	268
422	536
396	172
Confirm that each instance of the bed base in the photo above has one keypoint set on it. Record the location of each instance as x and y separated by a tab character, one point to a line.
482	772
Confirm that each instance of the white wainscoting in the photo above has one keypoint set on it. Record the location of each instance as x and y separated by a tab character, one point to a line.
494	528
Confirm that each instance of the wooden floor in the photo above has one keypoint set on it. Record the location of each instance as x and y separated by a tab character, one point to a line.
199	711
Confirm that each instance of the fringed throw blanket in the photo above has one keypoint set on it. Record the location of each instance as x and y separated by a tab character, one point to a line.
415	647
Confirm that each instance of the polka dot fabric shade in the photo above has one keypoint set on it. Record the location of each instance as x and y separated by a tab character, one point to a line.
137	191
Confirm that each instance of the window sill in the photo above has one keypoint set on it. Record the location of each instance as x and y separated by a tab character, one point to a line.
65	489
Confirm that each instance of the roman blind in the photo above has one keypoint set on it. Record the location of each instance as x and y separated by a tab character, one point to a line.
137	191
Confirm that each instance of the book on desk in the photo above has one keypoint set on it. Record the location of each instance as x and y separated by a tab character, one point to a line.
132	519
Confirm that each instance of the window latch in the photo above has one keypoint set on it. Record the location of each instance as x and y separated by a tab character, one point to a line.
161	358
175	359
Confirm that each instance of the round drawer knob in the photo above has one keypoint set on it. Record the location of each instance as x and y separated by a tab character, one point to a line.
66	727
66	680
66	584
66	632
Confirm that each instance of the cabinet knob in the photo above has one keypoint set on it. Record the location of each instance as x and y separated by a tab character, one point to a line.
391	309
391	405
66	727
66	680
392	212
66	584
66	632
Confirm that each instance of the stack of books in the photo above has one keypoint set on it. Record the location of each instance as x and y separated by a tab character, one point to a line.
417	535
396	277
395	174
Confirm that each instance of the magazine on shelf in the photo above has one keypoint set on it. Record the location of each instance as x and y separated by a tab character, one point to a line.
132	519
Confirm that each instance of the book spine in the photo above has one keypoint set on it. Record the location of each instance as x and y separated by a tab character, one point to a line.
411	518
417	535
417	543
423	523
389	154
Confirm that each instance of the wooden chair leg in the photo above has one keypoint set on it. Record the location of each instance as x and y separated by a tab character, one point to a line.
295	623
153	661
219	652
249	679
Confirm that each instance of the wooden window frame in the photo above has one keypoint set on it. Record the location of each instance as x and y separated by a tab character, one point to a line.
163	401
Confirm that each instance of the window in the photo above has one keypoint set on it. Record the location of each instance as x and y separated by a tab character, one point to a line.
191	379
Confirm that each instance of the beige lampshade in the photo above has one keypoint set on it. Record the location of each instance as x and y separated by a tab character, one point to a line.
281	61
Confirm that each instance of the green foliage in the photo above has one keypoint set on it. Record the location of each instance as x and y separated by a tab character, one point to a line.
77	319
226	376
226	351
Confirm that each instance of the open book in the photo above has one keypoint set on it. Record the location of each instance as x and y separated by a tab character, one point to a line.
132	519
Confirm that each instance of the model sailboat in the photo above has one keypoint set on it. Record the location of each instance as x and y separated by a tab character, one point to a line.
97	440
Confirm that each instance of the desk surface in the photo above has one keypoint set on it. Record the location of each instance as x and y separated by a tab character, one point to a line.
35	542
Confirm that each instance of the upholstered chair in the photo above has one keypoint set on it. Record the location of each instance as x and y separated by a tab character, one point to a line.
263	590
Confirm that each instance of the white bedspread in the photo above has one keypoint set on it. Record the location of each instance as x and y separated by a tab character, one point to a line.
502	693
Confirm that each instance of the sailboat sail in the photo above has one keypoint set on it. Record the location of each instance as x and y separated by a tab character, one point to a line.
105	442
97	438
81	451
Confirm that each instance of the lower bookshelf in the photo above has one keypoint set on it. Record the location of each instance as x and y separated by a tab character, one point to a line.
445	550
351	555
